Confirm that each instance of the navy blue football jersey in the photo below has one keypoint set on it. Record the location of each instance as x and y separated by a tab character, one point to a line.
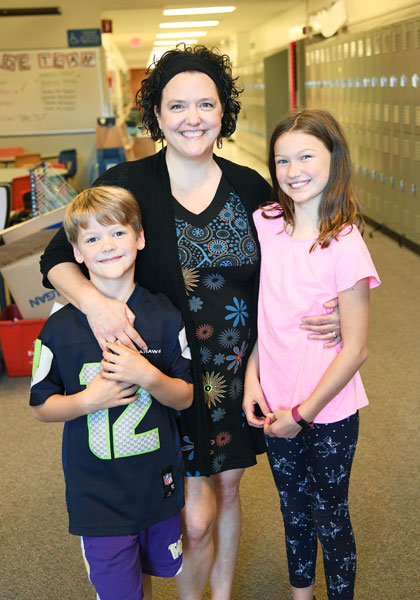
122	465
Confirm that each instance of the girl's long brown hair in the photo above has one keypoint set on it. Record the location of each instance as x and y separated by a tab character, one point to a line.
338	207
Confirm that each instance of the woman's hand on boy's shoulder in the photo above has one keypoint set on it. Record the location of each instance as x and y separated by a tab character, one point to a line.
112	320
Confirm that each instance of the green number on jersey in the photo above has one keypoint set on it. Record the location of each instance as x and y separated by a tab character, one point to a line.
125	441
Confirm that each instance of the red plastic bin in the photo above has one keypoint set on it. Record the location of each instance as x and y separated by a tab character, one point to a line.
17	339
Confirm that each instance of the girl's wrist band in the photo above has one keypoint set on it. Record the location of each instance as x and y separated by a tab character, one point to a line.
299	420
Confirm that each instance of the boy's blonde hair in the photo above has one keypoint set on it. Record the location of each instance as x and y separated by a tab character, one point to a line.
107	205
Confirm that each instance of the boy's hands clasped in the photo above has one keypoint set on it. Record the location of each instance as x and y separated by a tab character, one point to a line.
121	363
103	393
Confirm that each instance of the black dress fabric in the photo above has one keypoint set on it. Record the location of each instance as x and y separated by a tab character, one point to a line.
219	260
158	269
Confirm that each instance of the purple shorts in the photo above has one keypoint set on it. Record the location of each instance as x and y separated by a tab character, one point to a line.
116	564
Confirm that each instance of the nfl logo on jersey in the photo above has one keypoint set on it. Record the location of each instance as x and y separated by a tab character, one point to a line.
167	478
168	484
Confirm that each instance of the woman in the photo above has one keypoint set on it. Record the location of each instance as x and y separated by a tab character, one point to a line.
201	250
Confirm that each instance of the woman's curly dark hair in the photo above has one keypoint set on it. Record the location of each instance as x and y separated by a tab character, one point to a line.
150	95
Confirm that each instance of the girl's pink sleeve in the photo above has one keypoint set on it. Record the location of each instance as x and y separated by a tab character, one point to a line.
353	261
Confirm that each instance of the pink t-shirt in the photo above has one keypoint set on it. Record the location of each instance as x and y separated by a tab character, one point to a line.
295	283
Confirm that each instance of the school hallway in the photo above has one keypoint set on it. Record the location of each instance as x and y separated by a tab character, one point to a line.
41	561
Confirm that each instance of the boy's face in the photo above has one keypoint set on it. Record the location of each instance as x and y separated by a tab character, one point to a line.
108	251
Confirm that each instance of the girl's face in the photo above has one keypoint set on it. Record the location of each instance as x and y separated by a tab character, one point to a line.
302	167
190	114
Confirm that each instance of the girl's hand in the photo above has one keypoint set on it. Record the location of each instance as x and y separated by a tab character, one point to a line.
121	363
253	397
103	393
325	327
281	424
111	320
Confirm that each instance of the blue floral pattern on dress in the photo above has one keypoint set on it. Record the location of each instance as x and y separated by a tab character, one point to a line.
238	312
227	240
218	256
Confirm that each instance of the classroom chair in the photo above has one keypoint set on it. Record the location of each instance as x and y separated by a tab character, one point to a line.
69	159
109	157
28	159
21	186
4	205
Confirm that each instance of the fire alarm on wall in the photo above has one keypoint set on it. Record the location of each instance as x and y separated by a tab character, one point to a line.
106	25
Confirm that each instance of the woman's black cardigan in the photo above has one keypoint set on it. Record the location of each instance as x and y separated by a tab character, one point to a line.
158	268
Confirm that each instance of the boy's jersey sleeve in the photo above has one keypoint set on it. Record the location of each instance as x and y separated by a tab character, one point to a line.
176	351
46	379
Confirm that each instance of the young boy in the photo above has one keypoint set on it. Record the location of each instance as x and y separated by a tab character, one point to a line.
121	452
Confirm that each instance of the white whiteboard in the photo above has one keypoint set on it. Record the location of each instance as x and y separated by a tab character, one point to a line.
50	91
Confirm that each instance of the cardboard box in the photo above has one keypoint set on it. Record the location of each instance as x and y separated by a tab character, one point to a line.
17	339
53	219
19	266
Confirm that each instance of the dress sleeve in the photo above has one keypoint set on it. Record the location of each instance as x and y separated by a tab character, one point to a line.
353	261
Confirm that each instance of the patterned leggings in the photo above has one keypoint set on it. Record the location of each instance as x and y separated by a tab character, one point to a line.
312	473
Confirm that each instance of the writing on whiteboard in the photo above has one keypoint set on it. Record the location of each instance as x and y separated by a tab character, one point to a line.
51	91
47	60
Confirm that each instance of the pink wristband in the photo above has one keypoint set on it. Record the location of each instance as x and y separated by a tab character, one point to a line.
299	420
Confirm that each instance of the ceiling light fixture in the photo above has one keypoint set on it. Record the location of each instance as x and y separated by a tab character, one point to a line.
209	10
181	34
173	42
181	24
26	12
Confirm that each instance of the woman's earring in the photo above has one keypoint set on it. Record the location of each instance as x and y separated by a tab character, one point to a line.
219	142
162	138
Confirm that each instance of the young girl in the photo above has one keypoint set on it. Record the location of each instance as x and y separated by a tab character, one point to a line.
311	251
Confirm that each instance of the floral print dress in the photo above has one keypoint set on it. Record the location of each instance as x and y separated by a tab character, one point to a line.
219	260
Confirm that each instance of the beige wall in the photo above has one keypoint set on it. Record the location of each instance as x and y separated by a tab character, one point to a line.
47	31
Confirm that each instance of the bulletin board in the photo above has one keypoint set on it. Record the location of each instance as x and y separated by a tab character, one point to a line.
51	91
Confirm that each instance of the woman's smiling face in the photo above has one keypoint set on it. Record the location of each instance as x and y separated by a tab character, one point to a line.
190	114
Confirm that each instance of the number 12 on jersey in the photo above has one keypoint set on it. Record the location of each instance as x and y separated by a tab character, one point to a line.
120	440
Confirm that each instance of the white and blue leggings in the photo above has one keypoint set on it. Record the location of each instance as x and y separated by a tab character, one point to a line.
312	473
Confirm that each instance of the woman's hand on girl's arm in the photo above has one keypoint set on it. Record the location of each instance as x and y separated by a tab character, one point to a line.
325	327
253	394
281	424
109	319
